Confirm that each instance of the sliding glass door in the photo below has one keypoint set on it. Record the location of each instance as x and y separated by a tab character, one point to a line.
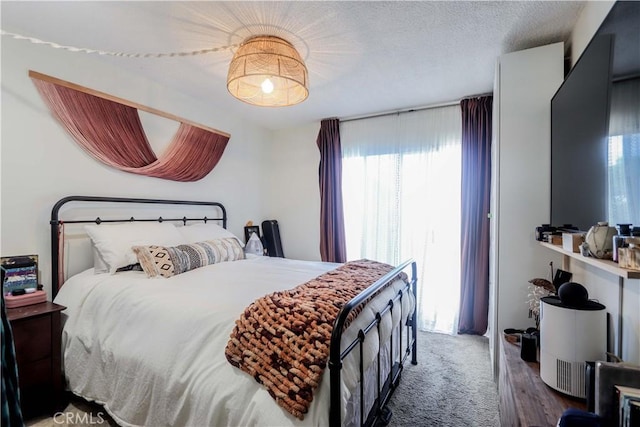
401	195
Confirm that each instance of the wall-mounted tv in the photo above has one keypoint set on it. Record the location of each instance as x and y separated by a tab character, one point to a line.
595	128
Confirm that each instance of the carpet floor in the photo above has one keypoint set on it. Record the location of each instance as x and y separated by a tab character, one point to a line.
450	386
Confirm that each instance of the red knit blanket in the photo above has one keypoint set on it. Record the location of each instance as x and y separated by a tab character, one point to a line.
282	339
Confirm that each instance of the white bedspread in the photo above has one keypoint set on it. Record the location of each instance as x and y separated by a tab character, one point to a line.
152	350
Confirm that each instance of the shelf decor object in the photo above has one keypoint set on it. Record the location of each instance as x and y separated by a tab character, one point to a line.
268	71
602	264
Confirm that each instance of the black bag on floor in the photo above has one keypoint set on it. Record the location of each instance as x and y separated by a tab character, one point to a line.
271	234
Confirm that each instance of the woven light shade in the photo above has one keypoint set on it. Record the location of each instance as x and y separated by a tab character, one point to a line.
268	71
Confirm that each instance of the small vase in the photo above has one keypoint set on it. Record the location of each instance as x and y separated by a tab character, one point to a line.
600	240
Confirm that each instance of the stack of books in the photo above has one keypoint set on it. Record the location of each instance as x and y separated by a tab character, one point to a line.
628	406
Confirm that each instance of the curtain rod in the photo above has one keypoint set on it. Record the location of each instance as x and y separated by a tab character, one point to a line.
112	98
411	110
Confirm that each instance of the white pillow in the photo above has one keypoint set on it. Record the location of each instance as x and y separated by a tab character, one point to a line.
200	232
99	266
113	242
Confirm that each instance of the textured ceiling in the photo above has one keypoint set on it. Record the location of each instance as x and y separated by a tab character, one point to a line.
363	57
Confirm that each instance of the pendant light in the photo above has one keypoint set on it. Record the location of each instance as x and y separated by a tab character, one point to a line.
268	71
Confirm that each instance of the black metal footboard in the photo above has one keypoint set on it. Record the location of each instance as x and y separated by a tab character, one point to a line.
384	386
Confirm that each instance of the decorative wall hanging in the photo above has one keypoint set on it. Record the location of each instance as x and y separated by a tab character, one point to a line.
110	130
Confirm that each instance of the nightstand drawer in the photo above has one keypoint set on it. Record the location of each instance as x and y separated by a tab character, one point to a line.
36	388
32	338
34	374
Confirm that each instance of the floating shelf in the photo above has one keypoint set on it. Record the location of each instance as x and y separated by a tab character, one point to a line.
602	264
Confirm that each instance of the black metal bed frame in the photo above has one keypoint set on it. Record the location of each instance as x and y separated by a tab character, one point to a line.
56	222
378	414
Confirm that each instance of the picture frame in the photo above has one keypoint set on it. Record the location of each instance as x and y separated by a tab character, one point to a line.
19	272
249	229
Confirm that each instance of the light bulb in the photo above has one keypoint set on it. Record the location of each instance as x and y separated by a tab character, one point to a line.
267	86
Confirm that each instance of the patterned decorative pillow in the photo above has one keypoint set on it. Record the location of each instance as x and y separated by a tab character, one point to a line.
168	261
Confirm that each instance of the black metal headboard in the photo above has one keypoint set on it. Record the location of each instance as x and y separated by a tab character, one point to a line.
56	222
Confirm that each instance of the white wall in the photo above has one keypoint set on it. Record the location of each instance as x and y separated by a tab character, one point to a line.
588	23
40	163
623	314
293	194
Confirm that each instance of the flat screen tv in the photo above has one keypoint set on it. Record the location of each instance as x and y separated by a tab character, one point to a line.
595	128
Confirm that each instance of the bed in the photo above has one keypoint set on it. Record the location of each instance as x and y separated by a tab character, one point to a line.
152	350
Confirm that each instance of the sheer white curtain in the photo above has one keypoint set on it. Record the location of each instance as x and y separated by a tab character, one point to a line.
401	192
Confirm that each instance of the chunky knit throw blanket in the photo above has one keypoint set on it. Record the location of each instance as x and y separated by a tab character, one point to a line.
282	339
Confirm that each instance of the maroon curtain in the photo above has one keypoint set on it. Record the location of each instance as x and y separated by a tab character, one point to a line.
476	191
332	239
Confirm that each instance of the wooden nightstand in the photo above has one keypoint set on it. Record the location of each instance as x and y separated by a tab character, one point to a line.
36	334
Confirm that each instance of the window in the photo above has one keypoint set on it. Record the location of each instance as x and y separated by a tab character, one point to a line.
401	195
